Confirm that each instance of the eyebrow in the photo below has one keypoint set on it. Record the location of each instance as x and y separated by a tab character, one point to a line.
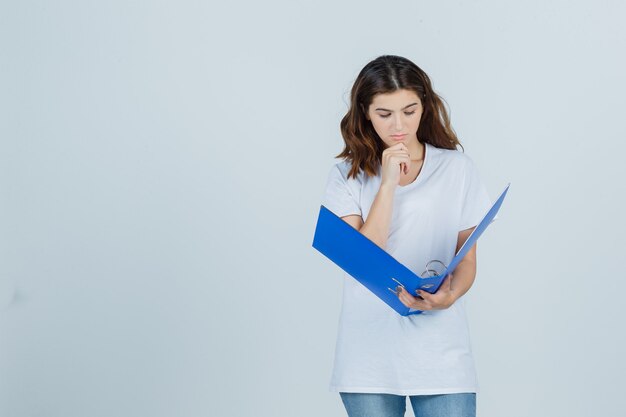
413	104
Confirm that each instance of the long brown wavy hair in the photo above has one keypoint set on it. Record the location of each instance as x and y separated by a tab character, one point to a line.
386	74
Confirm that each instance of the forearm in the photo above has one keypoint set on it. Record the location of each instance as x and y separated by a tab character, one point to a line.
376	227
463	277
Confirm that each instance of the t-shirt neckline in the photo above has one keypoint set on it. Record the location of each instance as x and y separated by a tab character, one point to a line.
420	176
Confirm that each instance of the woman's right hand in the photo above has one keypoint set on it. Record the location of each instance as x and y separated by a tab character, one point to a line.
395	159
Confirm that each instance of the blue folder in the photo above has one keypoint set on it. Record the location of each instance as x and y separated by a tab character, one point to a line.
376	269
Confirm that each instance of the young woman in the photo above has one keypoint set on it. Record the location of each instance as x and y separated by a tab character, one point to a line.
404	185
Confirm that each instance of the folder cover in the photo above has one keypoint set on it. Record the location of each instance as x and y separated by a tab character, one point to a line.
376	269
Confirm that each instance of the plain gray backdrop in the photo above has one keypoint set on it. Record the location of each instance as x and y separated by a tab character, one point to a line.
162	166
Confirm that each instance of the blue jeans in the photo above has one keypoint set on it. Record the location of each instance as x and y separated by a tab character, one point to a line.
390	405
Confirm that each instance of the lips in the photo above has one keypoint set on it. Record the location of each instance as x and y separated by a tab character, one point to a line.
398	136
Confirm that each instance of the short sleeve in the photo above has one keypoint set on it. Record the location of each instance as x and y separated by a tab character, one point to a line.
339	196
476	201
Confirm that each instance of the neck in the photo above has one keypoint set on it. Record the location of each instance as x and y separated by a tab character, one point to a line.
416	149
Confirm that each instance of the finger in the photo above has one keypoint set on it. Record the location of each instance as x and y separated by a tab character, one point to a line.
399	154
396	149
398	158
405	297
428	297
419	304
394	156
398	146
404	302
399	150
415	303
401	296
410	301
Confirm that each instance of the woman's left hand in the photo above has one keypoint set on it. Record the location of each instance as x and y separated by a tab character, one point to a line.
442	299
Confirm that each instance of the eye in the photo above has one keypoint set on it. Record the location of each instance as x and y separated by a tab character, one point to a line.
408	113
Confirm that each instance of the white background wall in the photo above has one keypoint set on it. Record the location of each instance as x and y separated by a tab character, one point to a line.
161	170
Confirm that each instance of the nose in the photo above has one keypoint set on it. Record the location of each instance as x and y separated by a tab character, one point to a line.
398	123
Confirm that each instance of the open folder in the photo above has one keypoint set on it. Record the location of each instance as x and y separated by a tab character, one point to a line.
376	269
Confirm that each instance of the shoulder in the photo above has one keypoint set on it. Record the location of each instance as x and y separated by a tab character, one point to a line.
452	158
341	170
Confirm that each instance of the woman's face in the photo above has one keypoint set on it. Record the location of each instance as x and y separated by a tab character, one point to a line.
396	113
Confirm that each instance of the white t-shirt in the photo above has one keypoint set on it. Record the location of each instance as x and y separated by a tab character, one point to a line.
377	349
